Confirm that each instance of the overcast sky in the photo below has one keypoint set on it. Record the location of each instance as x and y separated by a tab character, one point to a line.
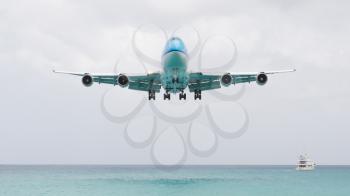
53	119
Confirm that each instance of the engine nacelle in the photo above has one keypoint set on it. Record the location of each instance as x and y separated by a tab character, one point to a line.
123	80
261	79
87	80
226	79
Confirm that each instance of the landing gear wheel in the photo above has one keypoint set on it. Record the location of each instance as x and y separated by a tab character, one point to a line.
182	96
151	95
166	96
197	95
175	80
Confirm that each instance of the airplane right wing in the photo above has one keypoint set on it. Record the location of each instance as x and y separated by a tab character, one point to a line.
149	82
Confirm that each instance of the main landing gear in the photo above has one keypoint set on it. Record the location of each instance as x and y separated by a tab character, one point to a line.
197	94
182	95
151	95
167	96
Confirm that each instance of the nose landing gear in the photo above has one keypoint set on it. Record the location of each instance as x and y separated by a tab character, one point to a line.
175	80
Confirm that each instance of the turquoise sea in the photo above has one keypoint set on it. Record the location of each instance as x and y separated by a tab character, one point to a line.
189	180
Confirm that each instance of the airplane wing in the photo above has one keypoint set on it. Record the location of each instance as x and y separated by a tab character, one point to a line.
147	82
202	82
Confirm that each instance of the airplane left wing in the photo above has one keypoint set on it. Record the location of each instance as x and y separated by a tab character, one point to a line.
201	82
149	82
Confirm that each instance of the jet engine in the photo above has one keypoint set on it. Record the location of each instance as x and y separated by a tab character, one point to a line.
123	80
261	79
226	79
87	80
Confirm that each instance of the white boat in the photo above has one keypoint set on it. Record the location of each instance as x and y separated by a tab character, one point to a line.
305	163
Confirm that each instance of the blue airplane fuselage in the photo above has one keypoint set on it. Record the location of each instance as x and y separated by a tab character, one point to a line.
174	62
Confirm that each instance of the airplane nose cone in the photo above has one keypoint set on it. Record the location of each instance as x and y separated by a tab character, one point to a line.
175	44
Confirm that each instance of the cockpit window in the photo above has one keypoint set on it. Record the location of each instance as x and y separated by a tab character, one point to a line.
175	44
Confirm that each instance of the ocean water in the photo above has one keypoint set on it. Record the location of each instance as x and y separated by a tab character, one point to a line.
191	180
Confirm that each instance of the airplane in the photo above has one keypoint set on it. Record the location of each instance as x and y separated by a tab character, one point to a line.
175	78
